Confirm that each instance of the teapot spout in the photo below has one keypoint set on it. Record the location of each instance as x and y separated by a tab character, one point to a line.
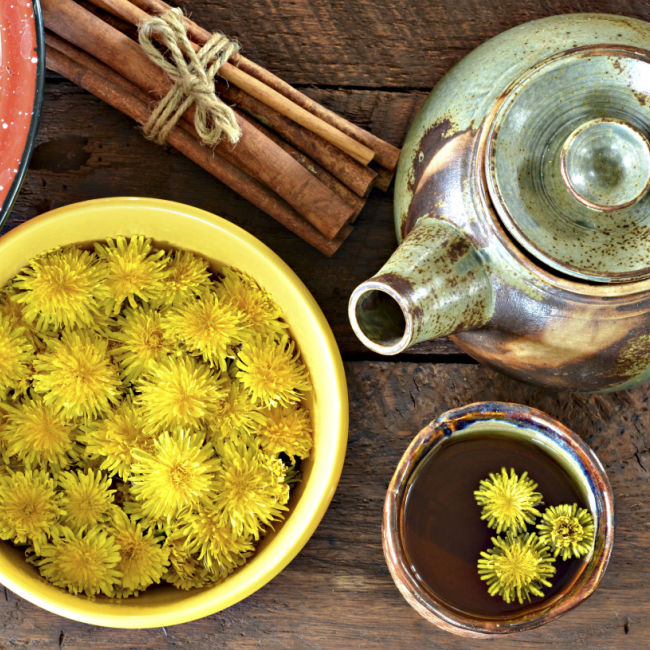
434	284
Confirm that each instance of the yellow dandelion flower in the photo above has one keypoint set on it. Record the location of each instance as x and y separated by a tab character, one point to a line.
288	430
206	326
214	541
179	472
82	562
76	375
62	288
38	435
143	559
516	567
87	498
140	341
134	270
263	316
249	490
16	355
508	501
238	414
272	372
30	508
568	530
186	571
12	310
179	393
187	276
114	438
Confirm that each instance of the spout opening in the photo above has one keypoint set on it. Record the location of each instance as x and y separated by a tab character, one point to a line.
380	318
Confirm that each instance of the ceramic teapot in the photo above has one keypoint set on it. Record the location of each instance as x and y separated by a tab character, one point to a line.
523	210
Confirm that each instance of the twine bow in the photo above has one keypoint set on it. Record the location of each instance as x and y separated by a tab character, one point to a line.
192	74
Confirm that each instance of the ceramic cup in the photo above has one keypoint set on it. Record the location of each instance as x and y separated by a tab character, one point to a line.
532	427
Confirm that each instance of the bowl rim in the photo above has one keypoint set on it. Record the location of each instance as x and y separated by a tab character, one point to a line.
30	142
435	610
64	604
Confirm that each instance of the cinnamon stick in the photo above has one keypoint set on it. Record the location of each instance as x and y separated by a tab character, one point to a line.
358	178
267	162
101	81
385	154
256	88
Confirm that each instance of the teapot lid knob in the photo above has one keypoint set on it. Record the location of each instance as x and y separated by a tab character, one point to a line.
605	164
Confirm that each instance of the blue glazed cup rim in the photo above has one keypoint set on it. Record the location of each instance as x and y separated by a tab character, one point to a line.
572	448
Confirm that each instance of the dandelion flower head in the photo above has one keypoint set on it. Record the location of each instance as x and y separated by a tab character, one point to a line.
187	277
76	375
249	490
133	271
212	538
516	567
38	435
140	341
179	392
238	414
508	501
179	472
87	498
114	438
263	317
143	560
567	529
62	288
288	430
186	571
207	326
30	508
16	354
82	562
271	371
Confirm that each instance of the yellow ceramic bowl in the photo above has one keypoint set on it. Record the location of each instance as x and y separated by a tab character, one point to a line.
177	225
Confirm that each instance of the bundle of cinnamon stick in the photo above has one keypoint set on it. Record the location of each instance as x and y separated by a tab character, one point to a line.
302	164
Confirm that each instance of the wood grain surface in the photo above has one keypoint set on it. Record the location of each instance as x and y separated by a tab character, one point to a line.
373	61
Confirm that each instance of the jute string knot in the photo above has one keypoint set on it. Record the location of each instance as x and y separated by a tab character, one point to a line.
192	74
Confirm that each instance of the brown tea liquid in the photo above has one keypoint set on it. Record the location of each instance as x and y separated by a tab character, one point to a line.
441	529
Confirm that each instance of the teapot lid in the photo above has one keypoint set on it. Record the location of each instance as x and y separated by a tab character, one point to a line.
567	162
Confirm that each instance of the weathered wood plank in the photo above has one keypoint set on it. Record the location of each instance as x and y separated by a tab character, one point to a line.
338	593
377	43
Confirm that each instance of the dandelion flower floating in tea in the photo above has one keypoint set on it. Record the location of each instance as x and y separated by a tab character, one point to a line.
516	567
82	562
30	508
63	288
37	434
508	501
152	417
568	530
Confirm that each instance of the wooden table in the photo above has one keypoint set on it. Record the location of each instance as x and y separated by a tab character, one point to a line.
374	62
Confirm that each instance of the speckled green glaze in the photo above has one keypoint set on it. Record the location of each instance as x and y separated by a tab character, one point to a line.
566	310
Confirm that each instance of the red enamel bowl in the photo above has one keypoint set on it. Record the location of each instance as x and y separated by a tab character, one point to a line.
22	70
